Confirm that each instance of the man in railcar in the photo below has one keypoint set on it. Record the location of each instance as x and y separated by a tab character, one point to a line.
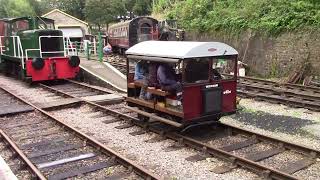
168	81
140	74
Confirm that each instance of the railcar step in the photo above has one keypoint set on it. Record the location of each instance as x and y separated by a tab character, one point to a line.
297	165
82	170
239	145
258	156
14	109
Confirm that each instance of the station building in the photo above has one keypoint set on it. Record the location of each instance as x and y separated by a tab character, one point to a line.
71	26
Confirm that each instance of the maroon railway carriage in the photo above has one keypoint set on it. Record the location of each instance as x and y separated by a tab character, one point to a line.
207	93
123	35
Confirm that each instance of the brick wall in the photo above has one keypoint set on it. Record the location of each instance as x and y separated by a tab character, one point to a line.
271	56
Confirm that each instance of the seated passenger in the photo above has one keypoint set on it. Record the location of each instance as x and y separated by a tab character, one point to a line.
152	80
140	73
167	79
216	74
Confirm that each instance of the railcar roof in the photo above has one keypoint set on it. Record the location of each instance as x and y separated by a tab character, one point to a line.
172	51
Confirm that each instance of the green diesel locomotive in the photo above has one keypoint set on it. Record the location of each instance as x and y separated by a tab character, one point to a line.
32	49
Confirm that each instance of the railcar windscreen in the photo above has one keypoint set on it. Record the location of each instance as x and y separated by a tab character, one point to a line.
223	68
197	70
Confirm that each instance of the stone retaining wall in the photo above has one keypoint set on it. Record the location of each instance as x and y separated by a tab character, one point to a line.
271	56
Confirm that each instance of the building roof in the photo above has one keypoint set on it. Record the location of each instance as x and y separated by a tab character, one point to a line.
57	10
172	51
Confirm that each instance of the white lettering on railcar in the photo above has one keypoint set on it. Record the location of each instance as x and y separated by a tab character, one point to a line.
226	92
211	86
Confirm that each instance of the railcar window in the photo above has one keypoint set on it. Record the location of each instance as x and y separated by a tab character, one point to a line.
223	68
197	70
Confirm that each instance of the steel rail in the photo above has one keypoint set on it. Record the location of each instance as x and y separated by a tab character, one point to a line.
22	156
287	85
146	174
216	152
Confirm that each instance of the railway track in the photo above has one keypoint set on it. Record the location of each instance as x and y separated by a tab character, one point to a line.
289	94
52	149
261	159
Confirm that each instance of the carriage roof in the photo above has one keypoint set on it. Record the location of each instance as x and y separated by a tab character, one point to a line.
173	51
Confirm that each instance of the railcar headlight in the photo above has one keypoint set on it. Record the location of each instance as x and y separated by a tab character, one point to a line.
74	61
37	63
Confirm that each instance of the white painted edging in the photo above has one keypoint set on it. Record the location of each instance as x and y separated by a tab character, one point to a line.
115	70
5	171
124	90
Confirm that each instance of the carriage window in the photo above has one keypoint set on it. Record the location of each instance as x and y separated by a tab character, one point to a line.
145	28
145	32
223	68
197	70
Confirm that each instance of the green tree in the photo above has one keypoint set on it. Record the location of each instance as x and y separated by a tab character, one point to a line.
103	12
37	8
142	7
15	8
72	7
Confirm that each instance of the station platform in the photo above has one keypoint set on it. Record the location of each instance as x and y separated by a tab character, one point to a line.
104	72
5	171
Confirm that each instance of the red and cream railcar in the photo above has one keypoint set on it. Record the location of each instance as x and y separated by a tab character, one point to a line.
123	35
206	93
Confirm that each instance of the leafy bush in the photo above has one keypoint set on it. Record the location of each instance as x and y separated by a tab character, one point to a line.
271	16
